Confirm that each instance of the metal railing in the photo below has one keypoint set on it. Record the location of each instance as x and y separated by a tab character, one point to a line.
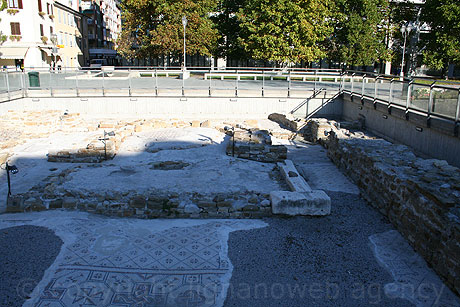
420	95
425	96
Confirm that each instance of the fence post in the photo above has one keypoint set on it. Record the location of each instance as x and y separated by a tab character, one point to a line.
210	82
236	87
390	99
183	82
103	84
376	87
289	85
457	115
314	86
430	102
129	82
156	82
76	82
51	85
263	82
408	97
23	86
363	87
7	86
352	83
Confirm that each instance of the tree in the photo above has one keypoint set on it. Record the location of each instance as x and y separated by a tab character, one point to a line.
285	30
361	27
228	25
443	40
156	27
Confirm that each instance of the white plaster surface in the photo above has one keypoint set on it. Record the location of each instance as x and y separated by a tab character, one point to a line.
413	280
129	262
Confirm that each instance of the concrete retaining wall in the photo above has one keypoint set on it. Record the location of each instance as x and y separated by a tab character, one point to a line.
434	139
175	107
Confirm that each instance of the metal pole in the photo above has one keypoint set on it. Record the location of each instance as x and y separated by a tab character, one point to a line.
362	88
22	84
289	85
352	84
103	85
236	88
376	87
390	99
404	53
8	86
8	178
263	82
457	115
156	82
51	85
430	102
314	86
129	82
210	82
76	82
408	95
185	63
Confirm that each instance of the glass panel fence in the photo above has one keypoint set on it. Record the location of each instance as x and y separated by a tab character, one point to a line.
369	87
445	101
420	97
399	95
383	89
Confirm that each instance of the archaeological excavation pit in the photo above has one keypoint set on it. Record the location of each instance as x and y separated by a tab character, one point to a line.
146	168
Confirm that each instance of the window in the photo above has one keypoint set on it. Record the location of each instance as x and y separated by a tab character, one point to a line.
41	30
40	5
48	8
15	28
52	10
15	4
59	16
51	30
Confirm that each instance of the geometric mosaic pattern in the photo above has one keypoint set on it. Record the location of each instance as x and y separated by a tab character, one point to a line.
117	264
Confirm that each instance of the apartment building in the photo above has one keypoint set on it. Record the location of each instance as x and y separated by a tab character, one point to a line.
71	29
26	27
104	26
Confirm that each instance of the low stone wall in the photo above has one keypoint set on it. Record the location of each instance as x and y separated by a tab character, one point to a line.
253	144
421	197
51	194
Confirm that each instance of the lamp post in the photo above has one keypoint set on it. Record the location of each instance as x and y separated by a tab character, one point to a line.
14	170
405	30
53	38
184	23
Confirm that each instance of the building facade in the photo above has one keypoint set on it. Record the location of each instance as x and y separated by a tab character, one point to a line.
26	27
104	26
71	34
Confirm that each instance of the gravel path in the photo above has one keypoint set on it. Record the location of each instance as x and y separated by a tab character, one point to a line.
25	253
303	261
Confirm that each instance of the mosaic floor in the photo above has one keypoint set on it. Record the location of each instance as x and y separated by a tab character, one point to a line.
122	262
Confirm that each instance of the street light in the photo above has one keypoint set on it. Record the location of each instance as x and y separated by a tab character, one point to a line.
14	170
405	30
184	23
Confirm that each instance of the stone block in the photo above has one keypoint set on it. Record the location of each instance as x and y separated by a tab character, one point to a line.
296	182
294	203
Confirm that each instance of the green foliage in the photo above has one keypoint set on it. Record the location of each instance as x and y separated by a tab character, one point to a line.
360	29
4	5
228	25
443	41
156	26
285	30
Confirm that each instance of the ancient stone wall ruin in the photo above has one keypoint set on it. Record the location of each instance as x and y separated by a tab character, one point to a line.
421	197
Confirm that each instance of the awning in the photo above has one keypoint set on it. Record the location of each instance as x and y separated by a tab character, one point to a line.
48	51
12	53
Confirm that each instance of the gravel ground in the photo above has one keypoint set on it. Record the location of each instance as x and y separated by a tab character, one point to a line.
307	261
25	253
